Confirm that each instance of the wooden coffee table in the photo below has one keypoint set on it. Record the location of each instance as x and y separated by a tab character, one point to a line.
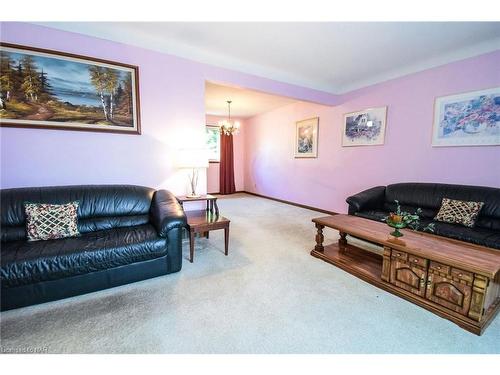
203	221
456	280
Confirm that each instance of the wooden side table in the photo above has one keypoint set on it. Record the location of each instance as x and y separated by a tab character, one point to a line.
211	201
203	221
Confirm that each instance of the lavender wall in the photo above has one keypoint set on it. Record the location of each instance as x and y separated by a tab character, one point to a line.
407	155
172	116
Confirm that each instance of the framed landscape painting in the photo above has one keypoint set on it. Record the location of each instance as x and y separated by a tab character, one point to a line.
55	90
468	119
306	138
364	128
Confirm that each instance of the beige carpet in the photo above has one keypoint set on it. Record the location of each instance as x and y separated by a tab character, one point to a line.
268	296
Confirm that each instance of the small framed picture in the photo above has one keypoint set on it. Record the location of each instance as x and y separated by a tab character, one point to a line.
468	119
364	128
306	138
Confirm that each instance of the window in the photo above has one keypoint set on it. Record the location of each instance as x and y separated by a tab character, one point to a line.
213	143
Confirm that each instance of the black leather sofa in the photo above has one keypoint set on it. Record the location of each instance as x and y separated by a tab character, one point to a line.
377	202
128	233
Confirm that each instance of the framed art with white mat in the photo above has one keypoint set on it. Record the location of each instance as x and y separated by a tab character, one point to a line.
364	128
467	119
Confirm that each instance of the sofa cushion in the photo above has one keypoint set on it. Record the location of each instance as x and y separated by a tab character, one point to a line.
425	212
18	232
373	214
51	221
427	195
25	262
100	206
381	215
478	236
459	212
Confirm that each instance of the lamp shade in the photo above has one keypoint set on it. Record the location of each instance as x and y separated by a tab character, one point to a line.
191	158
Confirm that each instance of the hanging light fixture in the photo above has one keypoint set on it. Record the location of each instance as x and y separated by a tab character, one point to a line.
229	127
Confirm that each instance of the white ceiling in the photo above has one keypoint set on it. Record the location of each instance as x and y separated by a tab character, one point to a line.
245	103
331	56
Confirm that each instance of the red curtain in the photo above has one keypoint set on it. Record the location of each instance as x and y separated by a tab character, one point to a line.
226	166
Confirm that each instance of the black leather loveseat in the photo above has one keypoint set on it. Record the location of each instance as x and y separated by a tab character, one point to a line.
128	233
377	202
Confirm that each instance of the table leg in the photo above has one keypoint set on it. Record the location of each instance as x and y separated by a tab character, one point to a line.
208	203
342	241
319	238
206	233
216	207
191	246
226	240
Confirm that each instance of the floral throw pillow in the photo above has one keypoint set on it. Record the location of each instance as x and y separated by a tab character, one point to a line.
459	212
51	221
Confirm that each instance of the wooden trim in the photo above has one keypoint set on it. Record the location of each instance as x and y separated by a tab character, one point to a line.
293	203
66	54
76	129
218	193
11	123
137	99
284	201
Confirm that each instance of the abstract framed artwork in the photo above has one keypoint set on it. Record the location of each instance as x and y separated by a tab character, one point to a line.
306	138
55	90
467	119
364	128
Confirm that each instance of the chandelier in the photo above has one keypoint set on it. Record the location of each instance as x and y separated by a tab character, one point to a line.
229	127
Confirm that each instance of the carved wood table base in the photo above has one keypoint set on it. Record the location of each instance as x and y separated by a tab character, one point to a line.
433	272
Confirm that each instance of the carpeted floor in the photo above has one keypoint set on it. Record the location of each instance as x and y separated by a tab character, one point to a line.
268	296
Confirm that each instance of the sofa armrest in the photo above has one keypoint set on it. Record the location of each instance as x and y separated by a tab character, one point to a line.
166	212
371	198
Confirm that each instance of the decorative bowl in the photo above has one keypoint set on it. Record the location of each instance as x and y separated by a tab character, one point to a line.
397	226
